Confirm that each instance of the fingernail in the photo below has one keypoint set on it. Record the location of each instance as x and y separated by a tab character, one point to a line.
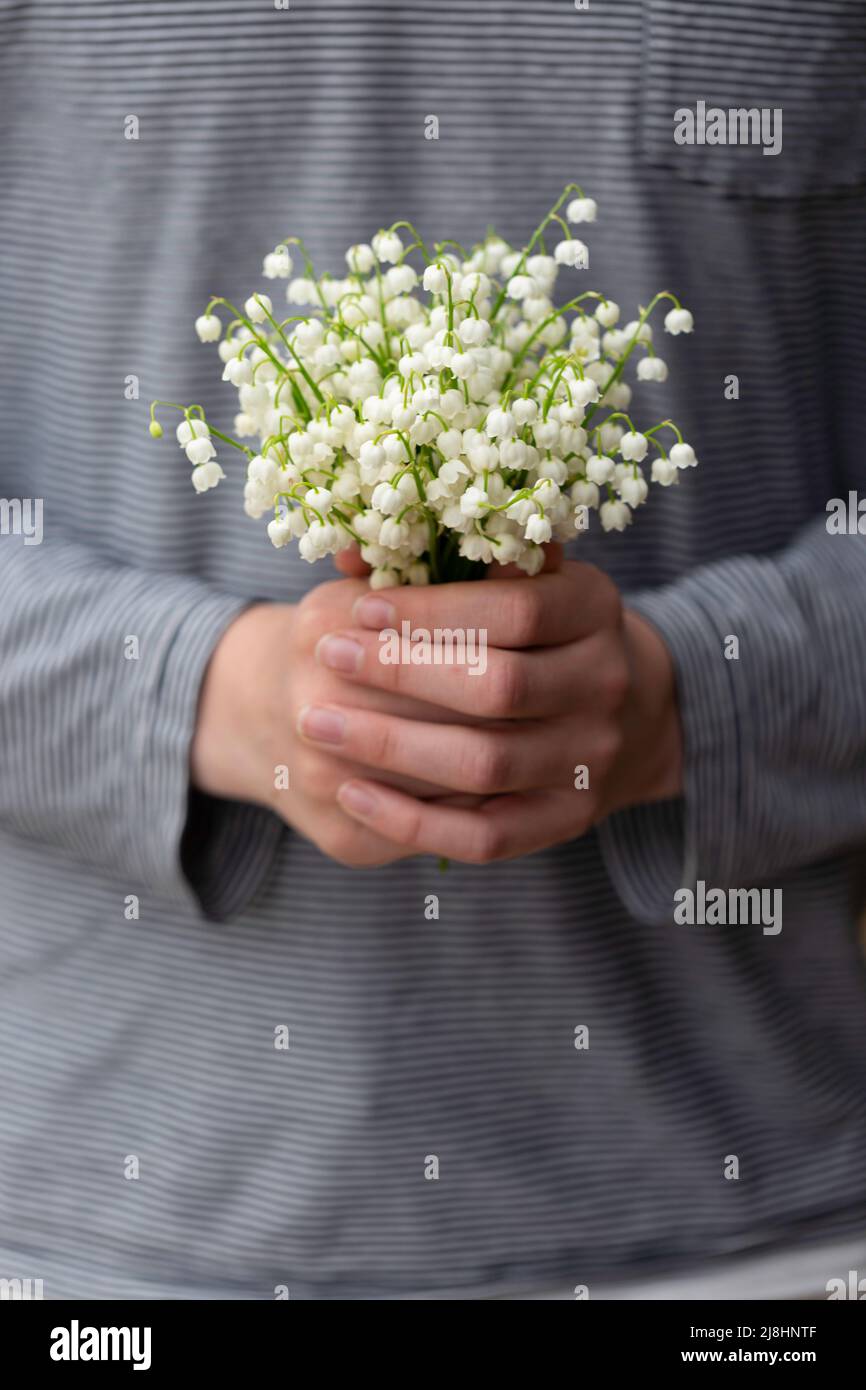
356	799
324	725
339	653
371	611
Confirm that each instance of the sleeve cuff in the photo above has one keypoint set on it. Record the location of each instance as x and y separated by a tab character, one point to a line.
652	850
227	851
219	850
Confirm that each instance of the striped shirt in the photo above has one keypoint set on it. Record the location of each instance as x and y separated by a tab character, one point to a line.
153	1139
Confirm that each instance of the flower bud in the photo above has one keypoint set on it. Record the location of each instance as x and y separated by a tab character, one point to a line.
633	490
538	529
581	210
387	246
499	424
383	578
679	321
652	369
574	253
277	264
393	533
200	450
280	531
206	476
435	280
209	328
633	446
193	428
607	313
599	469
360	258
257	307
614	516
664	472
683	455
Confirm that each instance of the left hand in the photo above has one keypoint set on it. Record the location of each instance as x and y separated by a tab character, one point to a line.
572	678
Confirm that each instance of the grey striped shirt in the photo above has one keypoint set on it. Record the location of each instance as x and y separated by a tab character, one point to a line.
152	1039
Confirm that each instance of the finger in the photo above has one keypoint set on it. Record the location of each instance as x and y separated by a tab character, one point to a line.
503	827
484	761
470	678
351	842
320	778
349	562
562	606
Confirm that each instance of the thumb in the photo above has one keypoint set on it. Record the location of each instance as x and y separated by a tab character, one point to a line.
349	563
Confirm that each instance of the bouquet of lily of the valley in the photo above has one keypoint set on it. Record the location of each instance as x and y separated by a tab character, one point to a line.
441	418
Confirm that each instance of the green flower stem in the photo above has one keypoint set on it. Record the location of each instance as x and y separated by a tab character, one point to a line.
539	231
187	411
419	240
433	550
227	439
381	362
346	525
266	349
311	273
548	400
437	416
669	424
173	404
620	366
289	348
620	415
405	442
450	242
551	318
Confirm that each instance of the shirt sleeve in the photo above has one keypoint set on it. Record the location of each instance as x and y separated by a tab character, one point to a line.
100	671
770	660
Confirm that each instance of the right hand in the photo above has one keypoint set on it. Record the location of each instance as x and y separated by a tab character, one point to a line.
262	674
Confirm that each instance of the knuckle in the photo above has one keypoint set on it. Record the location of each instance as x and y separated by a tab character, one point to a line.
394	677
381	743
616	681
610	601
378	670
506	686
523	615
609	747
490	765
411	829
489	843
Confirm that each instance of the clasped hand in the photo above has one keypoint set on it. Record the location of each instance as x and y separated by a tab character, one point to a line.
573	717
